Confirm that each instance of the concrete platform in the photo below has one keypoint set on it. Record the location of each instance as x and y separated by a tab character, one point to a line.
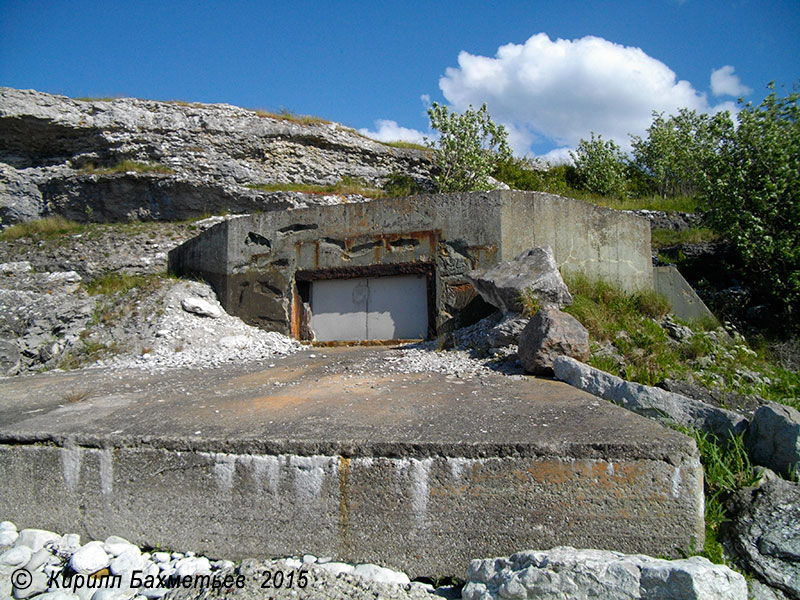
420	472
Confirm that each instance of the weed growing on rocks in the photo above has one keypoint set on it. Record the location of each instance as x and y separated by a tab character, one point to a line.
126	166
727	469
632	337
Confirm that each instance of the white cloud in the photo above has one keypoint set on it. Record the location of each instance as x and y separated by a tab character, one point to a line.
560	91
557	156
390	131
725	83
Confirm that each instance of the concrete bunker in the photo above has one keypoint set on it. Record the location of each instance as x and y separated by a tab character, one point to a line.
394	268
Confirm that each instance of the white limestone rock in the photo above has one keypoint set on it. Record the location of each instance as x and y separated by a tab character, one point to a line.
35	539
565	572
201	307
381	574
14	558
90	558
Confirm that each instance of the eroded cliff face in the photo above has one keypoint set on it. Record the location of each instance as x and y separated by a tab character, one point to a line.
56	154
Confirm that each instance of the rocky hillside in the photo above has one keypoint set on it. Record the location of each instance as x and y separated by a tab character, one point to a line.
125	159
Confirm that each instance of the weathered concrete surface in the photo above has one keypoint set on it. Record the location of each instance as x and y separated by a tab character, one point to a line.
258	264
685	302
416	471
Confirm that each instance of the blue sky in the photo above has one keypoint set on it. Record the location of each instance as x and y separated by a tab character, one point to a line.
551	71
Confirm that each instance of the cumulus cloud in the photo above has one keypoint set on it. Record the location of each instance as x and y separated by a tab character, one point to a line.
390	131
725	83
561	90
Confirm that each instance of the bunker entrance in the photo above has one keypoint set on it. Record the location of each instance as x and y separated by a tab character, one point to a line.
368	304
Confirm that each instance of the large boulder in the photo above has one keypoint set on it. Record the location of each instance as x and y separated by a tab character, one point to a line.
550	334
534	270
654	403
764	535
773	438
565	572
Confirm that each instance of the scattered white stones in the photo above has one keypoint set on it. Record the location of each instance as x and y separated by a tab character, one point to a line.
59	559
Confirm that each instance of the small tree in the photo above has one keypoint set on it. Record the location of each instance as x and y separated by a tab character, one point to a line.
470	146
672	155
600	166
752	190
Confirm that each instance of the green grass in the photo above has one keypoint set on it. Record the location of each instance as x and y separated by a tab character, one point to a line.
285	114
403	144
669	237
346	185
125	166
113	283
642	350
726	469
45	228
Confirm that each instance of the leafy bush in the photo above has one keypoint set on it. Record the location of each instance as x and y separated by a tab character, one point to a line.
671	158
751	187
601	167
469	147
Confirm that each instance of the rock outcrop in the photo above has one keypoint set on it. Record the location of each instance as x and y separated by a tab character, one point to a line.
565	572
63	156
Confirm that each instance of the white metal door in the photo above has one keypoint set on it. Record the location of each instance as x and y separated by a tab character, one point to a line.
369	308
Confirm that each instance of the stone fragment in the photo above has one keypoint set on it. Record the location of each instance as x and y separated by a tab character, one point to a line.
651	402
115	545
126	562
201	307
13	558
507	331
37	585
534	270
90	558
773	438
550	334
381	574
764	535
35	539
565	572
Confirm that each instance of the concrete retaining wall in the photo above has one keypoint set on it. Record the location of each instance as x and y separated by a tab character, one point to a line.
426	516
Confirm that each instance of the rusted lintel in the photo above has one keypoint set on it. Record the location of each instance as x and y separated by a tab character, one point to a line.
381	270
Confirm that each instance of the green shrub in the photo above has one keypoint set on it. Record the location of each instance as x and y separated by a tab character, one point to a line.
752	190
400	184
469	147
601	167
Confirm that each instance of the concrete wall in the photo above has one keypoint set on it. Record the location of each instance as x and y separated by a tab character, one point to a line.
426	516
685	302
253	262
601	242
